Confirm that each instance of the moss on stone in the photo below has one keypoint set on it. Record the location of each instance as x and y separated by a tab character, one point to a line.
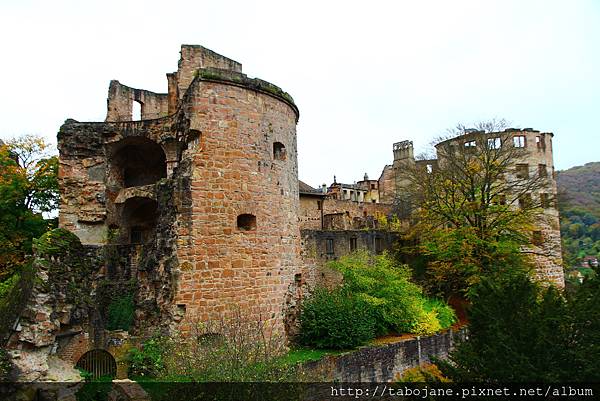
57	242
256	84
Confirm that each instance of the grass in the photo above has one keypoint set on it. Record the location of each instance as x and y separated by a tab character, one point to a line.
302	355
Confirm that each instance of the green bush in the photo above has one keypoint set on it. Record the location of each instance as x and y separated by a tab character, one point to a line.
120	313
444	313
337	320
399	304
7	285
147	361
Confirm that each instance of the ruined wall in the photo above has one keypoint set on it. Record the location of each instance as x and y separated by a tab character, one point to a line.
194	57
233	172
121	98
311	212
316	249
387	185
385	363
354	214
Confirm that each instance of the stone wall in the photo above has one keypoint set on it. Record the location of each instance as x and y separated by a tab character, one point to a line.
121	99
354	214
385	363
194	57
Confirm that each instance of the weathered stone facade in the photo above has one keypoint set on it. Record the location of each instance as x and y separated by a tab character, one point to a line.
202	192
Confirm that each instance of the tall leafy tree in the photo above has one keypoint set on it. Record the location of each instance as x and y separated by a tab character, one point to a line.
473	214
520	331
28	189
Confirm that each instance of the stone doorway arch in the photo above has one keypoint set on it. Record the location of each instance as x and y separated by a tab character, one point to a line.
99	363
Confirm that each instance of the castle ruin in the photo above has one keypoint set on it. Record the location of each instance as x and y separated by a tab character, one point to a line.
197	201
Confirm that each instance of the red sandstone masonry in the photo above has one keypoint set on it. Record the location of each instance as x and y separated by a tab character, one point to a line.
235	173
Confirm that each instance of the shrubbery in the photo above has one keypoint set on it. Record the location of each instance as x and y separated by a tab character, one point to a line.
230	350
337	320
148	359
377	297
120	313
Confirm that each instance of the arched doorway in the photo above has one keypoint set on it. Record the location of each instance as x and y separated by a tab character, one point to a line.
99	363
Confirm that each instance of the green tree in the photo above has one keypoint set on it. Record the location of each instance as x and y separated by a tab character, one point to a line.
520	331
28	188
472	212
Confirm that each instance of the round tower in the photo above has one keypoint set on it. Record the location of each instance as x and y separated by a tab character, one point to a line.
239	249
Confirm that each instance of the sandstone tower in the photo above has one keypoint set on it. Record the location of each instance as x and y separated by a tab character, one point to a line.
199	196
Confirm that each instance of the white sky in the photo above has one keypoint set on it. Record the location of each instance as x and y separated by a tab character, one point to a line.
364	74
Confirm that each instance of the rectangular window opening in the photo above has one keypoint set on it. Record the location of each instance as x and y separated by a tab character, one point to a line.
494	143
519	141
329	246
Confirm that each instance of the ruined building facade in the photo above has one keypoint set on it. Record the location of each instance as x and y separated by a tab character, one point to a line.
532	158
201	193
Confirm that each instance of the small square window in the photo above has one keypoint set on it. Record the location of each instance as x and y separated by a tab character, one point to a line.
519	141
500	200
525	201
470	144
539	143
542	171
544	201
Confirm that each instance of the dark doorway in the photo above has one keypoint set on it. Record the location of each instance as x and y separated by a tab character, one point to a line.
140	216
99	363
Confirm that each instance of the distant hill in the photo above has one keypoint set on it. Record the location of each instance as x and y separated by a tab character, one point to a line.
579	205
579	187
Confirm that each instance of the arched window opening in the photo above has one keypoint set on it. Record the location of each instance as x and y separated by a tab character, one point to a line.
140	216
246	222
99	363
138	161
279	151
136	110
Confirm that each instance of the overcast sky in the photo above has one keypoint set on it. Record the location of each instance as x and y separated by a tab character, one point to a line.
363	74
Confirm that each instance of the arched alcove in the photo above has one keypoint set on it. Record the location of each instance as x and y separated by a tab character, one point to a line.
99	363
137	161
140	215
